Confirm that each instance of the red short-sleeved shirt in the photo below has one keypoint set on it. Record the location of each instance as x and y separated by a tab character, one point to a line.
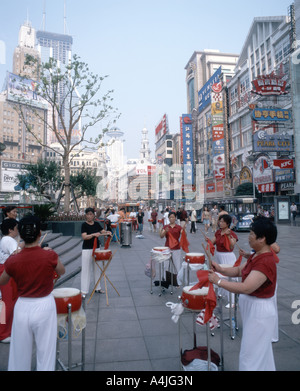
220	241
175	232
33	270
264	263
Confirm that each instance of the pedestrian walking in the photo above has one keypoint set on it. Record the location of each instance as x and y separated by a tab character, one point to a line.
205	218
193	221
293	209
214	218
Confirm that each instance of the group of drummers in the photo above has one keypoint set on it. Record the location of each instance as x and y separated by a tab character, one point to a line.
27	272
255	282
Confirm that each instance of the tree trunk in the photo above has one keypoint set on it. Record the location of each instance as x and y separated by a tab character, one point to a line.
67	185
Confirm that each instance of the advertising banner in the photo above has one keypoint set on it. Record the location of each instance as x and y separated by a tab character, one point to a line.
9	173
204	95
263	142
271	114
269	85
188	153
261	171
24	91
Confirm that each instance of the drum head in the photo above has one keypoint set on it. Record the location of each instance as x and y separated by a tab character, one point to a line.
65	292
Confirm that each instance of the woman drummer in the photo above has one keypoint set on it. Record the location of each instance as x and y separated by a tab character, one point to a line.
256	290
225	240
175	231
90	230
35	315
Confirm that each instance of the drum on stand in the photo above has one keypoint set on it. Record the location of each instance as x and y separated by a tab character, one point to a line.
194	300
102	255
195	258
65	296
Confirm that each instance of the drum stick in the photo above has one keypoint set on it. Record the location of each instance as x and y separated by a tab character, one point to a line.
208	256
43	238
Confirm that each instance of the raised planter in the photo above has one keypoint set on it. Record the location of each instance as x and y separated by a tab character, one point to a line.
67	228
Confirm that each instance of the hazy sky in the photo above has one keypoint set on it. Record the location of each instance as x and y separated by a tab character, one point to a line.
143	46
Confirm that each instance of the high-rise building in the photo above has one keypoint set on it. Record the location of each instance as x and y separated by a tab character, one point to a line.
26	47
58	47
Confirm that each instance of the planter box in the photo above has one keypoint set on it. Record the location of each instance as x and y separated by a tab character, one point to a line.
67	228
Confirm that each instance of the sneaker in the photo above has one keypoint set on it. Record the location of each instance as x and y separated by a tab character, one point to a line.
6	340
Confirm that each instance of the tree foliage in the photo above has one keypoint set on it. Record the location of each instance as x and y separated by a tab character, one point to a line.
77	110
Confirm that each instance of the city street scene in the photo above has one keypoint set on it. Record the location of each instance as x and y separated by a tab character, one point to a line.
149	188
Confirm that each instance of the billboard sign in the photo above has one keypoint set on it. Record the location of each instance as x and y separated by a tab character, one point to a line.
269	85
263	142
24	91
283	163
267	114
204	95
9	175
188	153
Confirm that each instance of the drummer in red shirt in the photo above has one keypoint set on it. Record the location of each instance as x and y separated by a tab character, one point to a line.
35	317
172	234
225	240
256	296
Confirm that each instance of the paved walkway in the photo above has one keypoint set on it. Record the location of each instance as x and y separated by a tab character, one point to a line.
136	333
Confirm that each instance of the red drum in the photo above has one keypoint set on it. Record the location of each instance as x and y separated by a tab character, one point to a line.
160	221
150	220
114	225
195	258
102	255
194	300
161	248
65	296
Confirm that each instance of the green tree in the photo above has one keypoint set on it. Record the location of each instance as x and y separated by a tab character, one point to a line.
42	179
84	110
84	183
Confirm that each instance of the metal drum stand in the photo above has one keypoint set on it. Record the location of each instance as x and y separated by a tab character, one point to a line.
194	317
161	269
70	365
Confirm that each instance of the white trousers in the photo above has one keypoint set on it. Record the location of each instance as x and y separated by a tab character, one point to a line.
225	258
35	319
259	320
176	255
88	267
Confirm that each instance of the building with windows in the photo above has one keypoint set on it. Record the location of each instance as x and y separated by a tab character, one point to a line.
263	63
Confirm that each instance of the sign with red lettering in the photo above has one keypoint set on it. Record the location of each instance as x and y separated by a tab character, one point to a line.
283	163
266	188
269	85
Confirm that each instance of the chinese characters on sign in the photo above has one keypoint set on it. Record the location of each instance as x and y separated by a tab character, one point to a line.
266	188
188	153
269	85
271	114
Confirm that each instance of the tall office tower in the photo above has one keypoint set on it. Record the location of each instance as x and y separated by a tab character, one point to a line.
26	46
58	47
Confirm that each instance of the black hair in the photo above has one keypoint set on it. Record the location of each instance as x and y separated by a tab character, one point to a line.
8	224
263	227
222	207
89	210
8	209
29	228
226	218
172	213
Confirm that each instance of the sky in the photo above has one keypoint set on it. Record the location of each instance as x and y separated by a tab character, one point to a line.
142	45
